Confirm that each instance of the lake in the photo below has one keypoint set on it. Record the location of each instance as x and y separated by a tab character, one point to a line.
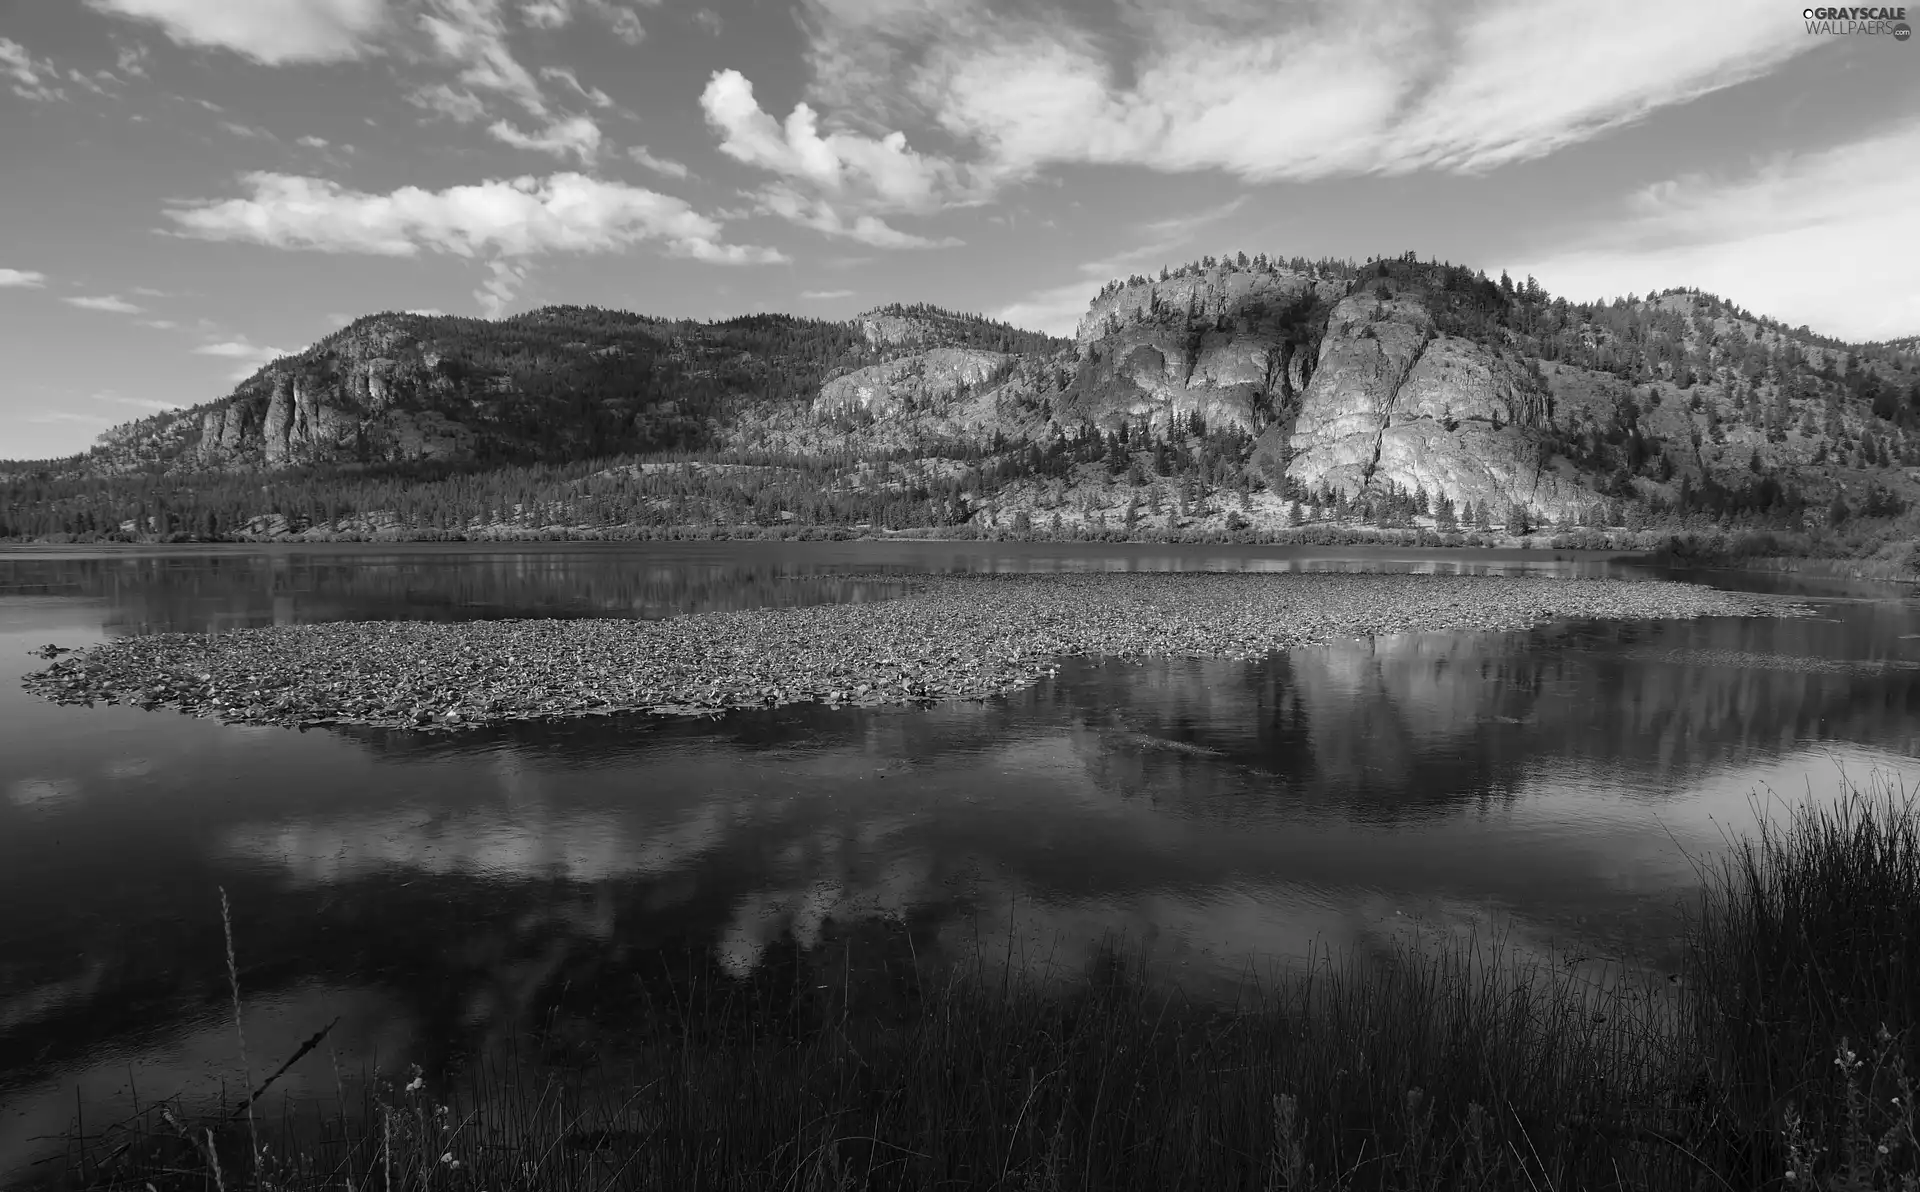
441	895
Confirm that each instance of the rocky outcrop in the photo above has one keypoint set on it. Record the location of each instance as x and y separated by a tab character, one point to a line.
1234	346
1352	391
921	381
1394	401
370	393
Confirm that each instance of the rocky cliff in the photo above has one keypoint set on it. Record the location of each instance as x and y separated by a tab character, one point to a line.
1233	346
1393	377
1352	391
1393	401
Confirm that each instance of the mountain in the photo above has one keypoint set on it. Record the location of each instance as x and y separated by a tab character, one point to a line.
1391	389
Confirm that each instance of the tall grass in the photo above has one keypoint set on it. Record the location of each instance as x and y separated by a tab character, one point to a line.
1461	1065
1806	948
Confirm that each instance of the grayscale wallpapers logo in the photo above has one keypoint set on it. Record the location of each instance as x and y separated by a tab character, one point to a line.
1871	22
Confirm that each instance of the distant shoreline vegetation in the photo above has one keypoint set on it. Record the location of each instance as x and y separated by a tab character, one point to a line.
1744	549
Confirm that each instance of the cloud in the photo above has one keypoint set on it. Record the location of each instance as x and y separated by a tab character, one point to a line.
838	163
269	31
1057	310
825	295
239	349
546	14
593	95
313	142
709	21
621	20
249	358
500	219
427	312
575	135
498	291
471	34
838	182
821	216
462	106
26	279
27	77
144	403
69	416
111	304
1269	92
659	165
1822	238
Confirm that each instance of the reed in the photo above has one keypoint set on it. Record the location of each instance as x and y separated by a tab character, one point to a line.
1451	1065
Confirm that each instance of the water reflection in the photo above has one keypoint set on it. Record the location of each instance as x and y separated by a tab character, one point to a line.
447	892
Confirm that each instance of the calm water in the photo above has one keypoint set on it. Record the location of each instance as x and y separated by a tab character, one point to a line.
441	893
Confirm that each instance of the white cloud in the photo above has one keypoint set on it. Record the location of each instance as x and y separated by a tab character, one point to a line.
31	279
593	95
1057	310
462	106
313	142
1270	92
822	216
825	295
426	312
249	358
849	179
520	218
471	34
270	31
160	324
111	304
240	349
1822	238
838	163
575	135
69	416
27	77
498	291
659	165
144	403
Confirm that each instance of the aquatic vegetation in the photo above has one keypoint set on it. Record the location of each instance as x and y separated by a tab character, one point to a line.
948	637
1459	1067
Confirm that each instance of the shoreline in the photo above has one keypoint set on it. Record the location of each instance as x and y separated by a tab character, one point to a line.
1713	550
946	637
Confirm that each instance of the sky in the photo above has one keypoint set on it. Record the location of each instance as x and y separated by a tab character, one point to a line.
192	187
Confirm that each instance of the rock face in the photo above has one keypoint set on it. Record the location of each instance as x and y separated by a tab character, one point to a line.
1393	400
1233	346
1353	391
367	394
917	382
1343	384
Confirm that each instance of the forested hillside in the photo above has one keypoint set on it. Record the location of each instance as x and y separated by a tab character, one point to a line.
1675	409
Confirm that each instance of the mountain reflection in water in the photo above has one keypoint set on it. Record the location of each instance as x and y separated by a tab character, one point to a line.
443	894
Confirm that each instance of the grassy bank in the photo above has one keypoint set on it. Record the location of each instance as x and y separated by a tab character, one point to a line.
1778	1061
